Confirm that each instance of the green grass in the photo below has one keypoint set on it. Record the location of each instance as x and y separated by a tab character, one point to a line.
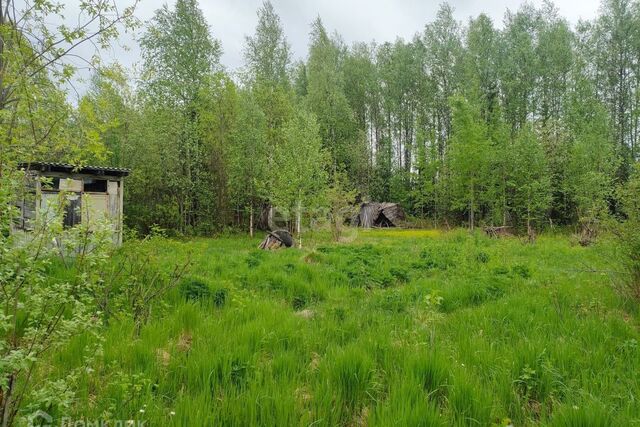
393	328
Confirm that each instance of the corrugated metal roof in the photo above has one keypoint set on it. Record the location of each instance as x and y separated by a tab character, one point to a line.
68	168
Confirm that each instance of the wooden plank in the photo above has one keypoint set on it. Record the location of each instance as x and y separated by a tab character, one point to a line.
69	184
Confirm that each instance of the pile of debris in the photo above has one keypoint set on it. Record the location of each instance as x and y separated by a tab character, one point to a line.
495	232
375	214
277	239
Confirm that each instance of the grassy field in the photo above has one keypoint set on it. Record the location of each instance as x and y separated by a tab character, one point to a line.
393	327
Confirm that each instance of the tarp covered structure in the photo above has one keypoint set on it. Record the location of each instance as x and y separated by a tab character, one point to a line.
277	239
375	214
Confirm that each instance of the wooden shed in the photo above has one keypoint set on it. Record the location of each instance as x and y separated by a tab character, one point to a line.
92	192
375	214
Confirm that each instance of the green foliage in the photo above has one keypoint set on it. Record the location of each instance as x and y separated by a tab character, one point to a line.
469	162
267	53
300	175
220	297
465	345
187	111
327	100
592	414
440	257
340	200
629	238
531	180
194	290
351	377
527	124
41	310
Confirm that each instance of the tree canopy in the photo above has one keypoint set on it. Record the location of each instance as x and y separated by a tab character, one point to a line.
531	123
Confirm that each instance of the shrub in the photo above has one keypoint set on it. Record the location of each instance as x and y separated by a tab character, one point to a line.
298	302
400	274
521	270
194	290
629	238
482	257
254	259
442	257
220	297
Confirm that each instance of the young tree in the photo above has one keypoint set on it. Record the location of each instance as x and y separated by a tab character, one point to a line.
592	164
299	175
180	59
40	313
327	100
267	53
107	112
628	236
340	201
248	158
468	158
530	179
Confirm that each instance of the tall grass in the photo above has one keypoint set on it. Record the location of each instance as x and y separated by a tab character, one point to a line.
394	328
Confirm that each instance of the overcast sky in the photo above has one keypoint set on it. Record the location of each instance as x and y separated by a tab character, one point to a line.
355	20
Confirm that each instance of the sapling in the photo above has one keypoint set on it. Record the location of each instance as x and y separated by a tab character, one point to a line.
40	312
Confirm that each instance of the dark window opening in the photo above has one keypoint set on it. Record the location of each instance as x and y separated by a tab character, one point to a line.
50	183
72	212
95	185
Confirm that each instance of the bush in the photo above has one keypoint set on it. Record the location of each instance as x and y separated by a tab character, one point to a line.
521	270
298	302
437	258
629	238
220	297
195	290
482	257
400	274
254	259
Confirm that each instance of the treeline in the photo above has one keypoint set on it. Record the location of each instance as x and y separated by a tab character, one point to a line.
528	123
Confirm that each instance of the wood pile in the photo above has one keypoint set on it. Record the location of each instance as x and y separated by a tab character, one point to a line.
495	232
276	239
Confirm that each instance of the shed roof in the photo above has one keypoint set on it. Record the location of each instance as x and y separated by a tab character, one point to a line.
68	168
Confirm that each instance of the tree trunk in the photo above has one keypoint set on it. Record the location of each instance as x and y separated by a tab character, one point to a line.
471	216
251	220
298	222
471	208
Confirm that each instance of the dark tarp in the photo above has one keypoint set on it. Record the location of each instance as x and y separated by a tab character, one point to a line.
277	239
